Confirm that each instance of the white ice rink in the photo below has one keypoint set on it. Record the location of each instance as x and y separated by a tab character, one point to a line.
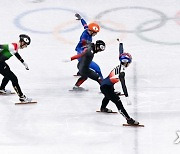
67	123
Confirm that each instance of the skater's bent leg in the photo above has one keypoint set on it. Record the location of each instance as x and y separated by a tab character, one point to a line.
116	99
105	102
93	75
121	109
16	86
3	69
96	68
106	99
7	73
4	83
80	81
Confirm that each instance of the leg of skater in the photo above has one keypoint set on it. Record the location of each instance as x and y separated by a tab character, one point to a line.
78	83
9	75
96	68
108	91
3	85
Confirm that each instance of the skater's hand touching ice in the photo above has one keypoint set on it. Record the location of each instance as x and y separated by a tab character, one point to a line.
26	66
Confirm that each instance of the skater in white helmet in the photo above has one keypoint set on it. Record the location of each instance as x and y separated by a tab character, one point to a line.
107	87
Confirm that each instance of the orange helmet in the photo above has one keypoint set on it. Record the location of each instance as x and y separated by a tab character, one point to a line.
94	27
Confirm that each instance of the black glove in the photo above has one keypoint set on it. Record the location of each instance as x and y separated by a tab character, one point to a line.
118	93
78	16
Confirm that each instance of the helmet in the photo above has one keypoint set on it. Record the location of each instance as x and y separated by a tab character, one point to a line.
94	27
125	58
101	45
25	38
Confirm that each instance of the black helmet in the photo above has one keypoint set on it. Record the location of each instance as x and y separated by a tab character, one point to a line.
25	38
100	45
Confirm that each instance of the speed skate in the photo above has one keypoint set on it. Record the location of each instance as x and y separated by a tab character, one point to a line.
78	89
21	103
81	90
4	94
106	112
76	75
131	125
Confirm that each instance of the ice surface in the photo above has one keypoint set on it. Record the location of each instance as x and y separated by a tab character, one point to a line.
63	122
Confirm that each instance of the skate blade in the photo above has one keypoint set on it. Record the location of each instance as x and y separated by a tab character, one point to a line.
133	125
21	103
7	93
107	112
118	95
78	90
76	75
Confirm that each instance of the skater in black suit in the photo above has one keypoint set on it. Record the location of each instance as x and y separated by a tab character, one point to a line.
86	58
6	52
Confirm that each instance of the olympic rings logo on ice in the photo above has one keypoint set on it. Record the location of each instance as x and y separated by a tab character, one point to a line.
57	31
105	24
160	14
18	20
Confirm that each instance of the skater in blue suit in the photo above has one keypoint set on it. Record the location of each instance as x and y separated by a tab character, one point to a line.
86	37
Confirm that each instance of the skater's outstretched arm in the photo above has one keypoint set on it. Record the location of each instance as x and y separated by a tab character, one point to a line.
22	61
79	55
83	22
19	57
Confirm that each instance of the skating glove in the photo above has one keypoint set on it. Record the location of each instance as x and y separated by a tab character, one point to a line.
128	101
118	93
26	66
78	16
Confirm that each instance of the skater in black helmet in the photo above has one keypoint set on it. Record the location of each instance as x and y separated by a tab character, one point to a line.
83	65
107	87
6	52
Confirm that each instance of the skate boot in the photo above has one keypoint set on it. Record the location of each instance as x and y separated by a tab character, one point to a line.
132	122
106	110
77	88
25	99
118	93
78	74
4	91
